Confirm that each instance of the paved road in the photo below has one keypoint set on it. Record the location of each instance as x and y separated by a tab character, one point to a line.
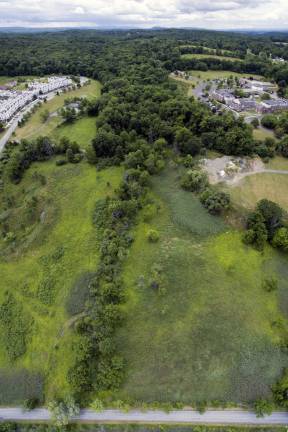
180	416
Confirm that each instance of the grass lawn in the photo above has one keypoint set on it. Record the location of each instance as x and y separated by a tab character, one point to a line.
278	163
204	56
262	133
82	131
66	205
208	50
211	74
35	127
206	332
263	185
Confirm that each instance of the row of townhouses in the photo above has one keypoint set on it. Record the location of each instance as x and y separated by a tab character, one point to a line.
12	101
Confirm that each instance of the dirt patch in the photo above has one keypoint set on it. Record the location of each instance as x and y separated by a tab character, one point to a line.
230	169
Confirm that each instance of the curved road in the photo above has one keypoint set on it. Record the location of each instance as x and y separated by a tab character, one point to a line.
225	417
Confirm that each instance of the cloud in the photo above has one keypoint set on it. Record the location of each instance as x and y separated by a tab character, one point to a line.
79	10
146	13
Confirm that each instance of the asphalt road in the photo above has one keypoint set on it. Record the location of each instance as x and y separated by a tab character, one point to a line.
231	417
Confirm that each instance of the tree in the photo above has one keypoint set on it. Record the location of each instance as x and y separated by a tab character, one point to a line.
215	202
105	143
256	233
68	114
194	180
283	147
280	239
263	407
97	405
269	121
255	123
63	410
44	115
186	142
272	214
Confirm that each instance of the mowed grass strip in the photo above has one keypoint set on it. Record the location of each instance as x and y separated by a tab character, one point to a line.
60	248
208	55
206	332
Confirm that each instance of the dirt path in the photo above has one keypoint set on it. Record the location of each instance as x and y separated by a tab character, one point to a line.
232	170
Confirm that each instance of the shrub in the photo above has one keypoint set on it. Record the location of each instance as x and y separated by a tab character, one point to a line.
153	236
272	215
270	284
46	290
61	162
15	327
280	239
63	410
194	180
97	405
215	202
257	232
263	407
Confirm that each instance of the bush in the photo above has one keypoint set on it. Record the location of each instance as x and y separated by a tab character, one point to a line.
270	284
256	233
16	324
61	162
153	236
97	405
215	202
263	407
194	180
280	239
63	410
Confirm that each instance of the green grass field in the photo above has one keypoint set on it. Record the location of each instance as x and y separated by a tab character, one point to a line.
262	133
264	185
53	126
53	243
206	75
208	55
206	332
66	204
208	50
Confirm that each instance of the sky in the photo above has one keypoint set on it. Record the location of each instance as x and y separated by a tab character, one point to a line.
210	14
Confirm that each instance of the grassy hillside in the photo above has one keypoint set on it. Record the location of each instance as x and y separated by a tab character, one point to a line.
35	126
40	267
205	330
50	249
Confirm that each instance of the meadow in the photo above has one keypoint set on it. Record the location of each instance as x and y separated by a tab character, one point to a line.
258	186
50	251
208	55
206	329
262	133
47	258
